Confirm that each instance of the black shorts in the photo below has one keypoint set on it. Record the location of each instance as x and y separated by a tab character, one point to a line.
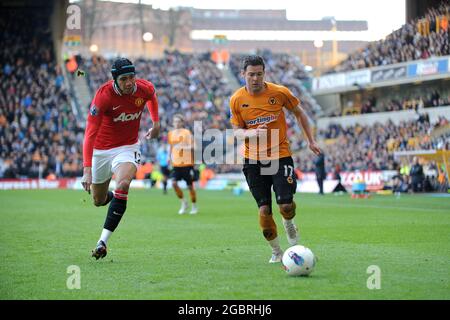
165	171
183	173
282	179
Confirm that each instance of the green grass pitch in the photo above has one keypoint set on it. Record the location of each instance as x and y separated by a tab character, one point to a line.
220	253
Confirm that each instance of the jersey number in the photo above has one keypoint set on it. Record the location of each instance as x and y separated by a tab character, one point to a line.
291	170
137	157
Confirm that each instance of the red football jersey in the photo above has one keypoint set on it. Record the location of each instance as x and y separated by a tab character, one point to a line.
114	119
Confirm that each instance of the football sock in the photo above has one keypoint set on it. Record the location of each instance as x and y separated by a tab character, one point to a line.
268	226
165	185
193	195
288	215
275	244
116	210
178	191
105	235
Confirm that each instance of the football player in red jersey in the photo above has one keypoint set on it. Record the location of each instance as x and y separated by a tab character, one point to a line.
111	144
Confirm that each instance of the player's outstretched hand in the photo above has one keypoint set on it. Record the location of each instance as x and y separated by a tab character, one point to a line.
153	132
314	147
86	181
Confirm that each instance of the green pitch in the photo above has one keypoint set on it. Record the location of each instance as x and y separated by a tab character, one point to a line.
220	253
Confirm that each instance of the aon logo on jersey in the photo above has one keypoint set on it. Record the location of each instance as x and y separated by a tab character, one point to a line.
127	117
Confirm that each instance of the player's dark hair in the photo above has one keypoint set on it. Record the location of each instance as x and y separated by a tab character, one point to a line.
252	60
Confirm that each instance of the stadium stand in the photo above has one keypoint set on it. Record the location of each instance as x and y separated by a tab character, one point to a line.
372	147
418	39
39	136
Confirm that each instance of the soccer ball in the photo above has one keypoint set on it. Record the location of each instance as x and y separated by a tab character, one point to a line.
298	261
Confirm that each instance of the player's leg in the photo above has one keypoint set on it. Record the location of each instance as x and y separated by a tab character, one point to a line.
260	187
284	185
101	176
124	166
165	172
189	178
100	193
177	176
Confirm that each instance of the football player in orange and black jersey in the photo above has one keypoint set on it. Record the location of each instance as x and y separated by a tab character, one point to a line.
181	144
257	115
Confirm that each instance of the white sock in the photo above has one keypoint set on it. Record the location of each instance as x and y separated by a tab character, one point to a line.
105	235
275	244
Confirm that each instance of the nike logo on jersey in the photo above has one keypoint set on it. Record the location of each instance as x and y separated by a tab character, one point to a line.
116	107
127	117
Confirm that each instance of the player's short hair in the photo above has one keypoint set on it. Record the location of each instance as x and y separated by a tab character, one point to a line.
252	60
122	66
178	116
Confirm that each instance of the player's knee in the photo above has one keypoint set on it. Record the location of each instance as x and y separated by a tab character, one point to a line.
287	210
265	211
286	207
123	184
174	184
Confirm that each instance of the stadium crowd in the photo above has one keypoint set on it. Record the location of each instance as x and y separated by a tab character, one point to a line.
372	147
418	39
386	102
286	70
39	136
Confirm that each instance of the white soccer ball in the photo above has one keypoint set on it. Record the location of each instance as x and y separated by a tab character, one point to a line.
298	261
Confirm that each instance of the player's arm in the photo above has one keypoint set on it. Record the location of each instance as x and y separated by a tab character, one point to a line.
152	106
93	123
302	120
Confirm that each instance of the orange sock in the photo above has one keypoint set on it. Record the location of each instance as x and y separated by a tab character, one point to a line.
268	226
178	191
193	195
